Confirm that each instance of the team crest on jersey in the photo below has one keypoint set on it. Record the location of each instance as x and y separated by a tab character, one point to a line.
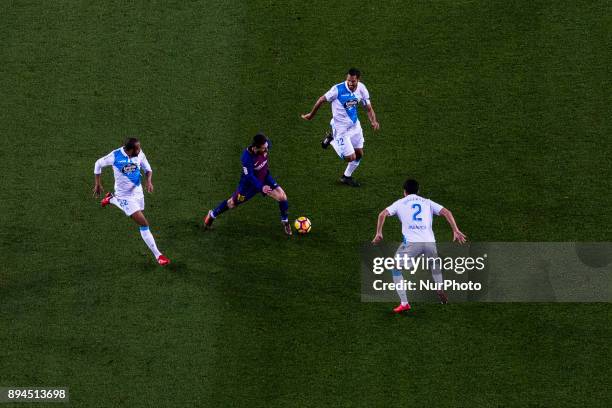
129	168
351	103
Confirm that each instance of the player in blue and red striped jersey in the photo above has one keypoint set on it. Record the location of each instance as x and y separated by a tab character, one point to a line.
255	179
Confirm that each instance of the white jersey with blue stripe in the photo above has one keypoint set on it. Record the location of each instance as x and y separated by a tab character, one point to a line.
416	215
126	171
344	103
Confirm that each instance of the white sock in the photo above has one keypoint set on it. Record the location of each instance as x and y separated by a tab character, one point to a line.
147	237
114	201
351	167
397	279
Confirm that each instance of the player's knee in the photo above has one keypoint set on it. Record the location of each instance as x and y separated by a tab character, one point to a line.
278	194
350	158
358	155
140	219
230	203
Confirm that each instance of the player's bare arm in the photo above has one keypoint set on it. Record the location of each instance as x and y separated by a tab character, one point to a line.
458	236
149	181
372	116
315	108
98	188
379	226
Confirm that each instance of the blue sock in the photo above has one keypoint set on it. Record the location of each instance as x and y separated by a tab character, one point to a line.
221	208
284	206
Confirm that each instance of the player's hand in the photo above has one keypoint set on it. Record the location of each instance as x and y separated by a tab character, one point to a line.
307	116
149	187
459	236
377	238
375	125
97	190
266	190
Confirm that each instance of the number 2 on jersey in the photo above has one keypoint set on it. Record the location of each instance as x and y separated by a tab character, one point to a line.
415	215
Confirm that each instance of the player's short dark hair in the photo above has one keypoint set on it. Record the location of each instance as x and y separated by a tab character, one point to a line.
411	186
259	139
130	143
354	72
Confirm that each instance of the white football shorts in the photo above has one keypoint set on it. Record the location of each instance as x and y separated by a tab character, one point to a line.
347	139
129	205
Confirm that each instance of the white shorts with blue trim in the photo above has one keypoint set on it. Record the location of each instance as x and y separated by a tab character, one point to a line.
347	139
129	205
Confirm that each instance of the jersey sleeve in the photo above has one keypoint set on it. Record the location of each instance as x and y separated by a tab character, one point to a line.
332	94
435	207
248	169
392	209
144	164
104	162
365	95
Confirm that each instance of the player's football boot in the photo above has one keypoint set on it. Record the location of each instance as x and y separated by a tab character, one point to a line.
208	220
106	200
162	260
327	139
287	227
349	181
402	308
442	296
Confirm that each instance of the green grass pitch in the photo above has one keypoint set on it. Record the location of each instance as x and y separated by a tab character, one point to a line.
501	109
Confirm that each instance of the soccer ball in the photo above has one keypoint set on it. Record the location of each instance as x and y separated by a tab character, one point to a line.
302	225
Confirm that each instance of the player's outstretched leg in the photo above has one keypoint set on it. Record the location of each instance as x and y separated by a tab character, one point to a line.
397	279
212	214
220	209
147	237
283	205
108	199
